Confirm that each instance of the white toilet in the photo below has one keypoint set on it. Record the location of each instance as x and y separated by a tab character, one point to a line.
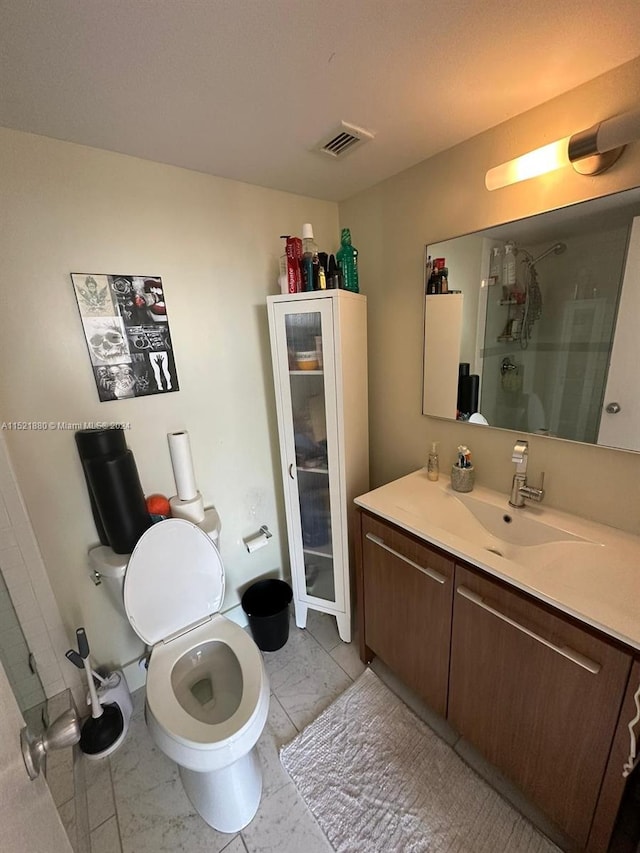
207	689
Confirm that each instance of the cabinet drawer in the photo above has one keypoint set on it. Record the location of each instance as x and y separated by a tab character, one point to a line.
401	545
407	608
536	694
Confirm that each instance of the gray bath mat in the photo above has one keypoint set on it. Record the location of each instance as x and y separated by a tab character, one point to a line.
377	778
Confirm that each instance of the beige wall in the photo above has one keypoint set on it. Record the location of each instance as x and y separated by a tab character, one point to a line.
216	245
445	197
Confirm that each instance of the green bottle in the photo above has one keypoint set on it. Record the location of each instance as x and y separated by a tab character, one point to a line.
347	257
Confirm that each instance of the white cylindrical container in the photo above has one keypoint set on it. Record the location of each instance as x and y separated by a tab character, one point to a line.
191	510
182	464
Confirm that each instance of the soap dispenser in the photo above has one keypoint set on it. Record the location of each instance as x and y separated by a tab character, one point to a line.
433	464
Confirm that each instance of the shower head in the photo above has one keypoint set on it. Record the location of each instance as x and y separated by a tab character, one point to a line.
556	249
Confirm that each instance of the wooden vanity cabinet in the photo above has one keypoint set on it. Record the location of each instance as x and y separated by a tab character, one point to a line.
538	695
407	590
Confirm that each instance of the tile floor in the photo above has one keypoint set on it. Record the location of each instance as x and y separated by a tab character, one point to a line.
135	802
135	799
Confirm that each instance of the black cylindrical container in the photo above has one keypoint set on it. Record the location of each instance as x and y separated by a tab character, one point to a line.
468	387
120	500
94	443
266	603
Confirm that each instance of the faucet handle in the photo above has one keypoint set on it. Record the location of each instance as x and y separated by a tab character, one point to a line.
531	493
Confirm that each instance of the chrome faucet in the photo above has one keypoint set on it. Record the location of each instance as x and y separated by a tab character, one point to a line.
520	491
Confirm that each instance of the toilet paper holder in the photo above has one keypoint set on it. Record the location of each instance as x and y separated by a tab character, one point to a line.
259	540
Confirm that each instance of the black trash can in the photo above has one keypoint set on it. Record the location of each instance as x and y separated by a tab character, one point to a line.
266	603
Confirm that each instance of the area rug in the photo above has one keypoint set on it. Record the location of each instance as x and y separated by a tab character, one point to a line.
376	778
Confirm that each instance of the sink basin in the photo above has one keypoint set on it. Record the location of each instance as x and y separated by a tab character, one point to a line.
515	526
486	521
586	569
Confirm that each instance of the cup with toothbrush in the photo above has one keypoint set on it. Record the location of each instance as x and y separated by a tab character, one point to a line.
463	473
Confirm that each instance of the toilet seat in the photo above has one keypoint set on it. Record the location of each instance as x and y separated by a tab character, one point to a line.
174	580
174	587
165	706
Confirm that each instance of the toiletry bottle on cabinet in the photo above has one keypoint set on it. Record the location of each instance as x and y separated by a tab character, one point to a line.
310	260
347	257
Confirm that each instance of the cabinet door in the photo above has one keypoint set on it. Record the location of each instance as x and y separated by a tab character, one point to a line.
537	695
407	608
310	449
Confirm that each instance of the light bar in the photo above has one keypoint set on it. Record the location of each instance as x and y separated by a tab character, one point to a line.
589	151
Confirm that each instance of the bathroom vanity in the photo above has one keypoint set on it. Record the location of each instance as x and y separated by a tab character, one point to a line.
520	626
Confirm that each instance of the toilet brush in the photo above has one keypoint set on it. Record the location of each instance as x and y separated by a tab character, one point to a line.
112	679
105	725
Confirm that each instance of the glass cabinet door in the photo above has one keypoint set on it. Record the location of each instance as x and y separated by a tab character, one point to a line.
313	441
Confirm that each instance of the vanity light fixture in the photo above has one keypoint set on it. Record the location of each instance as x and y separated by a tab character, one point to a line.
589	151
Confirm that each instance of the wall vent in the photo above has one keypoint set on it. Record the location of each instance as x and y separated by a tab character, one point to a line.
343	139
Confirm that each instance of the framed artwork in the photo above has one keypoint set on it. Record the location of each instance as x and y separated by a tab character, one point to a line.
126	327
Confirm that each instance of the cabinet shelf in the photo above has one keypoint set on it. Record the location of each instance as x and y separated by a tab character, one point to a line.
320	551
294	372
313	470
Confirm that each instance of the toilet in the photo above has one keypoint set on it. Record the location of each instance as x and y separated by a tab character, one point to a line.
207	693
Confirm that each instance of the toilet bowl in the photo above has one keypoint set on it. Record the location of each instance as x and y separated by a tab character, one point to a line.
207	693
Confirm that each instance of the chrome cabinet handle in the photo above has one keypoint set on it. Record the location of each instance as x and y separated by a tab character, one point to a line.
430	573
613	408
291	471
565	651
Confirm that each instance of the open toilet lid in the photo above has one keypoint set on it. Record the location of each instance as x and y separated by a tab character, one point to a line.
174	579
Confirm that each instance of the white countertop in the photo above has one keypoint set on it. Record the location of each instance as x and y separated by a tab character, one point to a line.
596	581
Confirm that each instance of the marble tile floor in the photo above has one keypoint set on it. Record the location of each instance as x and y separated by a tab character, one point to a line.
135	799
135	802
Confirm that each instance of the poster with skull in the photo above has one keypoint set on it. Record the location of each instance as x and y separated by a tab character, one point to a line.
126	327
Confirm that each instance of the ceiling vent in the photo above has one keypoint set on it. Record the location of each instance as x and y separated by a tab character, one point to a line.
343	139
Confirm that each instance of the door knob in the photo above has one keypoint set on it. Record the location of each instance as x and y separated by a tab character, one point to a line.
612	408
63	732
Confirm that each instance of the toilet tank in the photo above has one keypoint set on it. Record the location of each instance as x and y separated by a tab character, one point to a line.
111	567
211	525
108	569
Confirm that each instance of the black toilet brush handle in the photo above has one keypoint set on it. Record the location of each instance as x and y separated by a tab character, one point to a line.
83	643
75	658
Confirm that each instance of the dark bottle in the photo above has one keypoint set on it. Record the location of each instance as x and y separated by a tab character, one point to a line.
310	262
333	274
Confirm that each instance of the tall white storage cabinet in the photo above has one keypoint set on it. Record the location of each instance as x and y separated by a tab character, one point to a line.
319	351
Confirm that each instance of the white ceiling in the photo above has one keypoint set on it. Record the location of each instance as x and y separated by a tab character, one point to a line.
244	89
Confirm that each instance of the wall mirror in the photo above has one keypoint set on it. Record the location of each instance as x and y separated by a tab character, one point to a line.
534	325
